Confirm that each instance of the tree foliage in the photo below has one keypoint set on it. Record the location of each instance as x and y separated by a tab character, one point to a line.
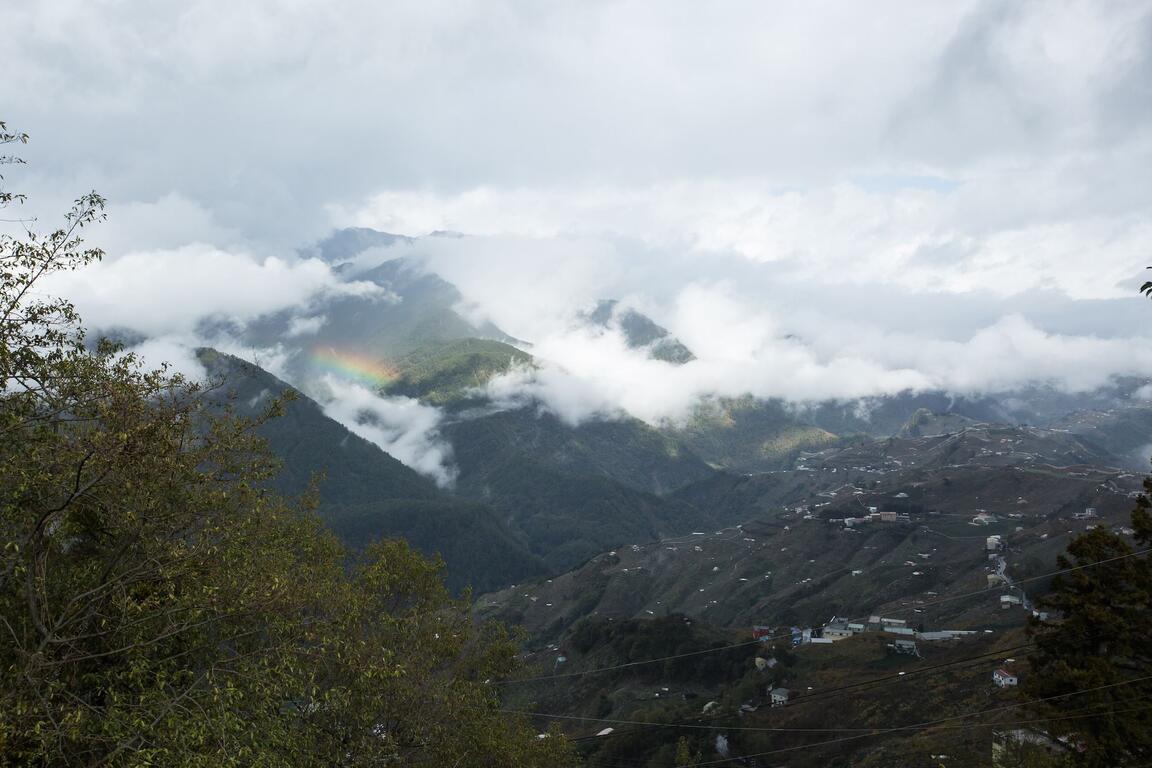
159	606
1098	646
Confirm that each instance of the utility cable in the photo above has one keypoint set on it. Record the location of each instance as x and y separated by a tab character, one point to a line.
931	723
869	684
783	636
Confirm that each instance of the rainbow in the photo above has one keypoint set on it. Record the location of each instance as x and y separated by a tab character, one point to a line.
350	365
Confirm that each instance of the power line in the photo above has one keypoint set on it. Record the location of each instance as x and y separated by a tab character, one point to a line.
1006	724
930	723
900	676
868	684
630	663
783	636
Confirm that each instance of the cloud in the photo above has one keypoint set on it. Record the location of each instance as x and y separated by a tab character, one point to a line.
821	200
295	106
171	291
922	240
401	426
176	354
169	222
741	349
305	326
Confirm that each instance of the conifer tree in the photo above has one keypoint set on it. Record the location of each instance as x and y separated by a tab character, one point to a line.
1092	667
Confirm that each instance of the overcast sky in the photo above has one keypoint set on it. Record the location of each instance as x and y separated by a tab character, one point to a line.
969	179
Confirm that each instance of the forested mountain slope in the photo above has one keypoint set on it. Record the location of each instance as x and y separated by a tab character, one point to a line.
365	494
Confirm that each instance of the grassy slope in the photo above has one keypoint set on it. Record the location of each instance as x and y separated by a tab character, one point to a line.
444	374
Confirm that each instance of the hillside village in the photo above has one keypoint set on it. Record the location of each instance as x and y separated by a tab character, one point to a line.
940	543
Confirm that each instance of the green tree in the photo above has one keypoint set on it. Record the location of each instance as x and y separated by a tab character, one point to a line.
1016	750
684	755
1099	641
158	606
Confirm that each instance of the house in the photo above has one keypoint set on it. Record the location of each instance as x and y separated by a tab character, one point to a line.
887	517
1003	678
993	543
934	636
907	647
889	623
836	632
801	636
856	626
1007	601
779	696
763	633
945	634
983	518
1087	514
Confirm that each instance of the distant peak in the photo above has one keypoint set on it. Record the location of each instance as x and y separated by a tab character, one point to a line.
347	243
639	331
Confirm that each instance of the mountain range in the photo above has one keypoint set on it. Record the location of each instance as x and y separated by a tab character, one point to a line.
612	539
545	494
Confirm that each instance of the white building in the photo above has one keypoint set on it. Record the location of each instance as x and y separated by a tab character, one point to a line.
1003	678
779	696
836	632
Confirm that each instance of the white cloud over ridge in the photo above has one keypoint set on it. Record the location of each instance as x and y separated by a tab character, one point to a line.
582	374
171	291
404	428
